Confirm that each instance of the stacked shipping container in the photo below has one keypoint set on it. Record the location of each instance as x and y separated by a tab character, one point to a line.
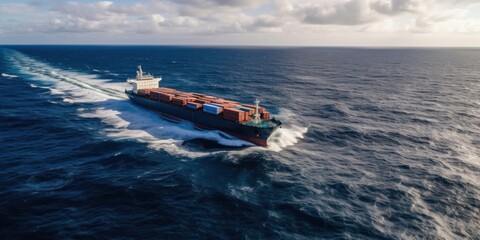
233	114
231	110
213	109
194	105
265	115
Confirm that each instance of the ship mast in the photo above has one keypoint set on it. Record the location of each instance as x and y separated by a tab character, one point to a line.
256	116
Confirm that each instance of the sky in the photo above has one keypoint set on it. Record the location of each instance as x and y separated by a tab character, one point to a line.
409	23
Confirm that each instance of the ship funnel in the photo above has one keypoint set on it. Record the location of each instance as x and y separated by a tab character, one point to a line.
140	72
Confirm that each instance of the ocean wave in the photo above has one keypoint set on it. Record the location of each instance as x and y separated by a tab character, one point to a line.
8	75
357	157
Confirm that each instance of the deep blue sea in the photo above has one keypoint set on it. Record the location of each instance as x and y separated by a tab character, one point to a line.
376	144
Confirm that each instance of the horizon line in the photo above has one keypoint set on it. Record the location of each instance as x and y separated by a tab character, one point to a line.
236	45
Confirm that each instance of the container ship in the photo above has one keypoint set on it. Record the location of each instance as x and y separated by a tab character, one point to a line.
248	122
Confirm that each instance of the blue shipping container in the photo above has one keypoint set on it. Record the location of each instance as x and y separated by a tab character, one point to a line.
191	105
210	105
212	109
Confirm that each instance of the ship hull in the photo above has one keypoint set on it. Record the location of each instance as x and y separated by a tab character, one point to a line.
253	134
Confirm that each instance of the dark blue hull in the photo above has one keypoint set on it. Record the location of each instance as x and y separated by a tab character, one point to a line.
255	134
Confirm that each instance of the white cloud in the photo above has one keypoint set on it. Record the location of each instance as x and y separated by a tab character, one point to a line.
228	3
341	13
240	17
15	8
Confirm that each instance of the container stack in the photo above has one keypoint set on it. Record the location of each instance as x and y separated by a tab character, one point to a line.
166	90
249	111
217	101
155	94
232	110
185	95
246	112
194	105
233	114
260	109
165	97
143	92
212	109
202	101
230	102
265	115
179	101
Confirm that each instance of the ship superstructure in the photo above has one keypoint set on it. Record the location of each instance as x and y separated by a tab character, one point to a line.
248	122
144	81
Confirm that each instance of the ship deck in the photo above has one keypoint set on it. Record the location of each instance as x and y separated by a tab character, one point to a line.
271	123
262	124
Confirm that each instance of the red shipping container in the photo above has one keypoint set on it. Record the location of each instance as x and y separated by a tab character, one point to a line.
143	92
265	115
252	110
233	111
155	95
179	101
246	115
190	99
202	101
165	97
166	89
260	109
233	114
230	102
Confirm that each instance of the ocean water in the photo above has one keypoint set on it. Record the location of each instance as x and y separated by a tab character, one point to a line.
377	144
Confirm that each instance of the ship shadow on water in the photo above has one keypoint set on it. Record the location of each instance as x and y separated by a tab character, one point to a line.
201	143
123	114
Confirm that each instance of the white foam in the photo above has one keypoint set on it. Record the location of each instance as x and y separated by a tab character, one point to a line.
289	134
285	137
8	75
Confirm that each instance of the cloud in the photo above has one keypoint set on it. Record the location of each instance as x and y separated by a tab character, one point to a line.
344	13
192	18
15	8
378	15
356	12
228	3
393	7
222	17
440	21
